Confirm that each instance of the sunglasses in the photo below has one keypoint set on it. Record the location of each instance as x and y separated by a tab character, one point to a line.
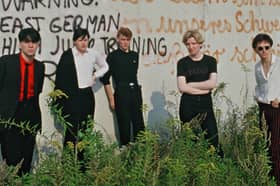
260	48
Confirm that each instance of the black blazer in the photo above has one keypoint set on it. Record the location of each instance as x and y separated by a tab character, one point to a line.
67	81
66	74
10	83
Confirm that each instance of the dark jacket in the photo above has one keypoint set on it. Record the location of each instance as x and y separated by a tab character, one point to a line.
10	84
66	80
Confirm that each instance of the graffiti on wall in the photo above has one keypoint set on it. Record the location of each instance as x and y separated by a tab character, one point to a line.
158	26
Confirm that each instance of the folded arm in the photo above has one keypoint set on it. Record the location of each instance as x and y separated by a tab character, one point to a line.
184	87
206	85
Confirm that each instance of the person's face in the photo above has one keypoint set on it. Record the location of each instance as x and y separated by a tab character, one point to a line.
263	49
123	42
82	44
28	49
193	46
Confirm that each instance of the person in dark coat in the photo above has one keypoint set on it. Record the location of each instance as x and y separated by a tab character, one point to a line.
77	70
21	82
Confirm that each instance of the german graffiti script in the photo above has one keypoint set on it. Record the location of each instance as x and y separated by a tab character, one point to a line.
156	33
236	3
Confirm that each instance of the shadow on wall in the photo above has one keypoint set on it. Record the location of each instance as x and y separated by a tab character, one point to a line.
159	115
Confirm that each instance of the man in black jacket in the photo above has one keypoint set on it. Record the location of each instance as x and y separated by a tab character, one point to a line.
75	76
21	82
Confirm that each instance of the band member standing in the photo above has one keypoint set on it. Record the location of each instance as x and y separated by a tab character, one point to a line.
196	77
21	82
127	99
75	76
267	94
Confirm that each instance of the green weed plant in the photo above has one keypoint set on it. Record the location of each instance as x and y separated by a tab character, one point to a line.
186	159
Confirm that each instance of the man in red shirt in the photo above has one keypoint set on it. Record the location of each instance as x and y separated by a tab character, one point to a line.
21	82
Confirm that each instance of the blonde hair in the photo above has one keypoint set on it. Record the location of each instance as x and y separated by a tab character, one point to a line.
195	34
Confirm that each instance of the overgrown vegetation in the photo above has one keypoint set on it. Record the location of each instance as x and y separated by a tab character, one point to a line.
184	159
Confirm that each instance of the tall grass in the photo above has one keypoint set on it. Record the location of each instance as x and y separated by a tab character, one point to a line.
184	159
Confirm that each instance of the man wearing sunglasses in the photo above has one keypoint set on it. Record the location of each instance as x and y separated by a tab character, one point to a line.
267	94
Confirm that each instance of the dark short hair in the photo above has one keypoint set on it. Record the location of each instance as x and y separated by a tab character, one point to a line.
125	31
261	37
29	34
80	32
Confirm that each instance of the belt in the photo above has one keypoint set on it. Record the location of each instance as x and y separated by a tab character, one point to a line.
127	84
85	89
131	84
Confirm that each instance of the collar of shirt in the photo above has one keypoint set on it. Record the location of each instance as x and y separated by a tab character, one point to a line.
21	58
260	67
77	53
267	89
273	59
124	50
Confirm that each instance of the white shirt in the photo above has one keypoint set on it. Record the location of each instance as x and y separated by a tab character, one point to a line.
268	88
85	64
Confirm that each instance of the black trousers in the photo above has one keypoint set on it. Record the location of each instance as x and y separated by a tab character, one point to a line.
80	110
196	106
128	107
19	145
